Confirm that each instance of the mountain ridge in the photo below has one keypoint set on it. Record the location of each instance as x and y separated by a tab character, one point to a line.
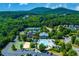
61	10
39	11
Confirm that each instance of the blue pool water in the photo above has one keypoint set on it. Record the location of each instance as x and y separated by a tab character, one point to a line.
43	41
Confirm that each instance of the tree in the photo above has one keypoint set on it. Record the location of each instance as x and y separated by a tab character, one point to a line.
32	45
21	46
64	52
57	42
68	46
77	42
29	39
78	33
60	28
66	31
19	38
13	47
42	47
73	39
62	46
29	54
22	36
72	52
59	35
36	36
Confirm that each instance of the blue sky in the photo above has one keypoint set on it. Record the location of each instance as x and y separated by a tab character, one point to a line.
29	6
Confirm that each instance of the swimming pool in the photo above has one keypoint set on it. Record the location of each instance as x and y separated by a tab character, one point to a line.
46	42
43	41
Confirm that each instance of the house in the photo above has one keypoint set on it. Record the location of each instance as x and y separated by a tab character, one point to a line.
43	35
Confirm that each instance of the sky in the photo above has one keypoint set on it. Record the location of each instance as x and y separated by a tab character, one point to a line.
29	6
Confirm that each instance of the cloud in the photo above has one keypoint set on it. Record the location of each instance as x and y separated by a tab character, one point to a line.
23	4
53	7
65	5
9	5
56	6
47	5
77	8
59	5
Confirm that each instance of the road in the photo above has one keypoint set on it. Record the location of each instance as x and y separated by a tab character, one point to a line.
7	52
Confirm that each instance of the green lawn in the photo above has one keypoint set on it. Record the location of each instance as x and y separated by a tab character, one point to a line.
17	44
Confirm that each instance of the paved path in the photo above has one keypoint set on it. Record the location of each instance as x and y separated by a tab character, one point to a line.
7	52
